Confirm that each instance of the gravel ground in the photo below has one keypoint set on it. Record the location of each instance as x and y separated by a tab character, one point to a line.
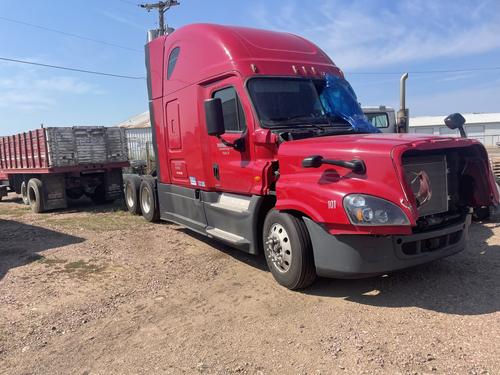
98	291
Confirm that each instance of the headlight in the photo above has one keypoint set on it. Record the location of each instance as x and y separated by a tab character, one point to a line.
367	210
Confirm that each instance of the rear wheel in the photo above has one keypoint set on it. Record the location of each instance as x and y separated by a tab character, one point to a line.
132	186
75	193
35	195
24	193
99	195
149	205
288	250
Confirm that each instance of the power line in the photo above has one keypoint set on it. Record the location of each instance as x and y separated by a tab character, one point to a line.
129	2
68	68
69	34
429	71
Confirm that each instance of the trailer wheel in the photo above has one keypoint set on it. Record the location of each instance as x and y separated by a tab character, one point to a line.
75	193
148	200
35	195
99	195
24	193
288	250
132	185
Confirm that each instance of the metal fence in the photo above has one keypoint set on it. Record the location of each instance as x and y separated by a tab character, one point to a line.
140	144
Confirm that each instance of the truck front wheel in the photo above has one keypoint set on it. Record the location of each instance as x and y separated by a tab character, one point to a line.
35	195
288	250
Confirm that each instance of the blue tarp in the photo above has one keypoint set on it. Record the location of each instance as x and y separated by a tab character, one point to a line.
339	100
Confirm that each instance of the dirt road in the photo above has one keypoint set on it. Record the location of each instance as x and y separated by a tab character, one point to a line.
103	292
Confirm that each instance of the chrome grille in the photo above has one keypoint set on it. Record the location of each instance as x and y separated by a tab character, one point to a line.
427	177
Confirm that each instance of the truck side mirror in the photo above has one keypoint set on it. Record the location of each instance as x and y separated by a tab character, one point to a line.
456	121
214	117
314	161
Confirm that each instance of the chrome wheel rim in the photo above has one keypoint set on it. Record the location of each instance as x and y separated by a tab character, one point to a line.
278	248
145	201
130	196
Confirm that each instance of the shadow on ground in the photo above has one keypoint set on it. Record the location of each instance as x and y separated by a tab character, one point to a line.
83	204
467	283
21	243
464	284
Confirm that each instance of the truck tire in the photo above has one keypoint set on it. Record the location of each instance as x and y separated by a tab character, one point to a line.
76	193
288	250
132	186
99	195
481	213
24	193
35	195
148	200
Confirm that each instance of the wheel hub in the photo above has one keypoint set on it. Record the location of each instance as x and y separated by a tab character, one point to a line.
145	198
278	248
130	196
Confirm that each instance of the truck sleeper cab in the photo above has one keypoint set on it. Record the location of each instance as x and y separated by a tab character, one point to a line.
261	144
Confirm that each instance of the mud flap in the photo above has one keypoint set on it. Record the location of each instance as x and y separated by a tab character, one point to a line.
54	191
113	182
3	191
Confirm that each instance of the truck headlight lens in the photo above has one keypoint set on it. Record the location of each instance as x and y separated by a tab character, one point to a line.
368	210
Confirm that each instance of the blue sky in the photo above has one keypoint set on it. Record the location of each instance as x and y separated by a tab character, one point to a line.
360	36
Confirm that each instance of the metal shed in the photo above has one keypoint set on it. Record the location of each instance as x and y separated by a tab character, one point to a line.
139	137
485	127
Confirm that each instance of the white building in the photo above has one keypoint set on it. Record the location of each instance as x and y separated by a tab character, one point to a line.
485	127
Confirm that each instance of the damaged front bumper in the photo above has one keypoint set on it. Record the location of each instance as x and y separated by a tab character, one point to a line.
358	256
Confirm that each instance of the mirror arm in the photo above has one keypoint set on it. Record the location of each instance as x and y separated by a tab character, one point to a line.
356	165
238	144
462	132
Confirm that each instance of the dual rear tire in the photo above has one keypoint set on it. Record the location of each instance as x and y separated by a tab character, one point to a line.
24	193
34	192
141	197
149	200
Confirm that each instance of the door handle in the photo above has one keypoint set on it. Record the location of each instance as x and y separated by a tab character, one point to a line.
215	168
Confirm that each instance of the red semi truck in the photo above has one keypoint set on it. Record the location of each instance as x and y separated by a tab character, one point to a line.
261	144
48	165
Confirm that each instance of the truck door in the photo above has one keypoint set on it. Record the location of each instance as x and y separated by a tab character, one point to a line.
232	169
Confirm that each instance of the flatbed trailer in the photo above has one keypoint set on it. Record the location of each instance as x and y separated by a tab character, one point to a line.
47	166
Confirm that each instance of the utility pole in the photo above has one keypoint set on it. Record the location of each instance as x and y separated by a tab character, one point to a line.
162	7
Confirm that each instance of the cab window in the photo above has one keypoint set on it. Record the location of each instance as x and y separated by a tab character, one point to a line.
379	120
234	117
172	60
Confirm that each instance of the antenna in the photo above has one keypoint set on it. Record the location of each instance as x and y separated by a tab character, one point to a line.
162	7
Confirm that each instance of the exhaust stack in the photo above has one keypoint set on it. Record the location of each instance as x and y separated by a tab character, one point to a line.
403	113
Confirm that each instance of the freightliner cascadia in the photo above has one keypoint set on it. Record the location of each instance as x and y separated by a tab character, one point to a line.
261	144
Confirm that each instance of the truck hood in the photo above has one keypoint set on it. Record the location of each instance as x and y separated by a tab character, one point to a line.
374	143
326	186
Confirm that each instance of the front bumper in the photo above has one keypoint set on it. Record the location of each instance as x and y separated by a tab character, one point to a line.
358	256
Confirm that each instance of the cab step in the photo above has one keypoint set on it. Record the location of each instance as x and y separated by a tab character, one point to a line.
226	236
